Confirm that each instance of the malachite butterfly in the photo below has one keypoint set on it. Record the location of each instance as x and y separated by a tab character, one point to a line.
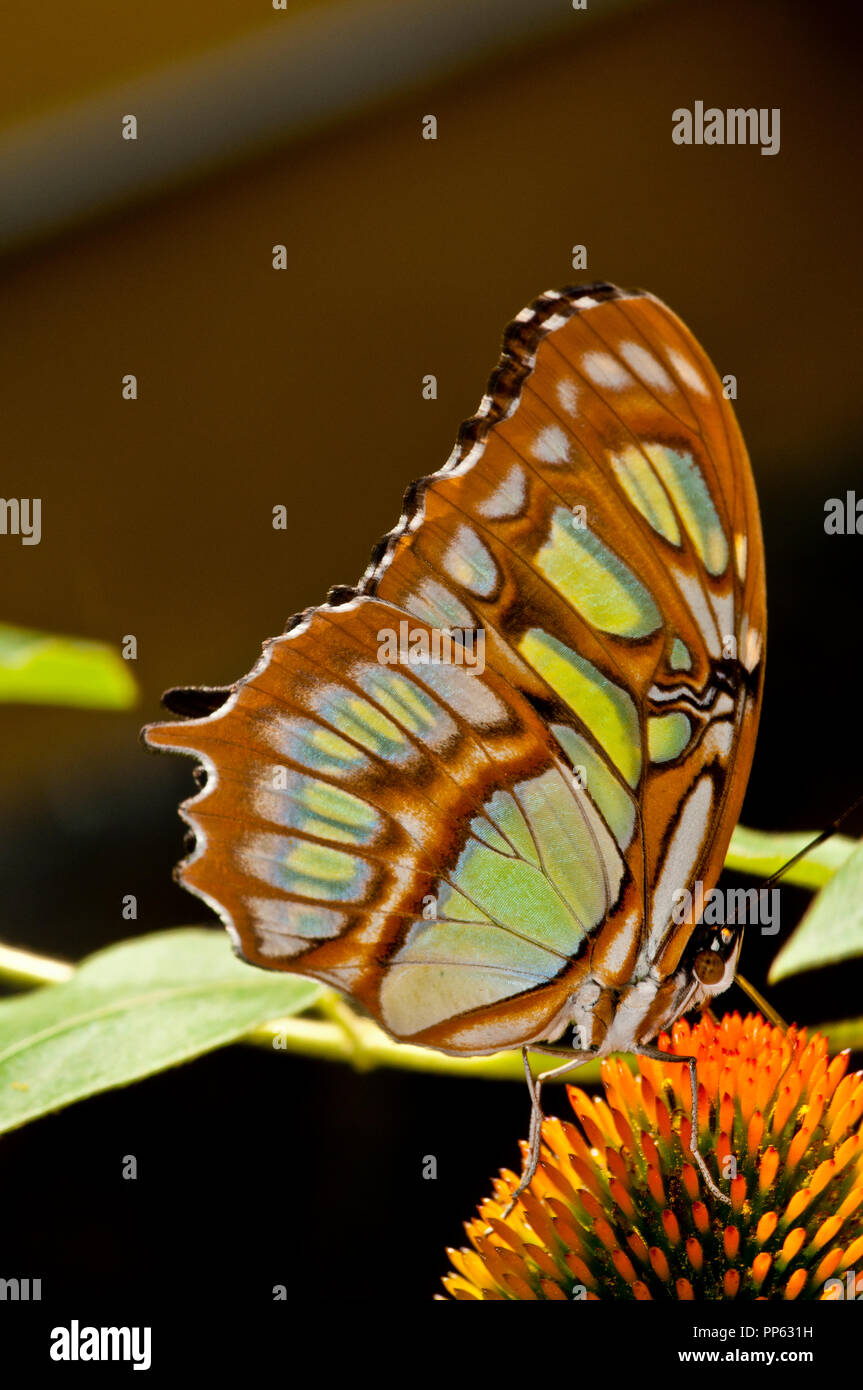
484	854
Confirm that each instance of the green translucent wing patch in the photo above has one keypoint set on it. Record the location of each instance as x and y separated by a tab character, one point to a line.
612	799
684	480
598	584
603	707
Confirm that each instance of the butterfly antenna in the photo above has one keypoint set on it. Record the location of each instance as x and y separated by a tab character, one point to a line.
761	1003
758	999
819	840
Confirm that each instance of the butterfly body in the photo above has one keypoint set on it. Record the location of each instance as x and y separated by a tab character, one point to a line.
488	857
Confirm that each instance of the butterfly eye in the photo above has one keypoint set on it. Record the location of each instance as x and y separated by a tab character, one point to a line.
709	967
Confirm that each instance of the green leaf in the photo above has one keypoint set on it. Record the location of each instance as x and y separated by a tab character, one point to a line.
848	1033
129	1011
832	928
40	669
763	853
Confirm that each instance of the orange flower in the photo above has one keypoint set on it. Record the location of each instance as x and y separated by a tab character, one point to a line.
616	1209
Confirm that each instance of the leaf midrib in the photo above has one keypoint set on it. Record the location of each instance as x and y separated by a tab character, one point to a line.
125	1005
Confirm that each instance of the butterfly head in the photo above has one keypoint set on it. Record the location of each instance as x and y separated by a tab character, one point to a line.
711	958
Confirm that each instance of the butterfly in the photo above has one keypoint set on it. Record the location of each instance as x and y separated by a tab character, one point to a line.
466	791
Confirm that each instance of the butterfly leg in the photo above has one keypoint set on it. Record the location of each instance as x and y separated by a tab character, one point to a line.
660	1056
534	1086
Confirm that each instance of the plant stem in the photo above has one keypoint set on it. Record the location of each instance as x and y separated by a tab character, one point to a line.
24	969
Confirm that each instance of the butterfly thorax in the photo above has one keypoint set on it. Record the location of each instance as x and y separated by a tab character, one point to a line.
607	1019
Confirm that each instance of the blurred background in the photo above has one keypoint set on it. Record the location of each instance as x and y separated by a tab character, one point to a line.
302	387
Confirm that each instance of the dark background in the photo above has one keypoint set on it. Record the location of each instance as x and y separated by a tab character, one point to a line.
303	388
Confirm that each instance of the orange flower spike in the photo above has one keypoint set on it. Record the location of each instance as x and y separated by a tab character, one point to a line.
519	1288
642	1292
569	1236
638	1247
590	1205
844	1154
553	1183
843	1093
830	1262
738	1193
553	1292
621	1124
706	1106
624	1266
731	1242
607	1234
588	1177
543	1261
648	1099
726	1112
798	1204
461	1289
755	1133
501	1262
767	1169
765	1084
663	1122
595	1136
581	1271
791	1246
789	1095
761	1268
580	1101
701	1217
573	1141
796	1284
659	1264
563	1141
469	1264
723	1149
746	1091
605	1120
685	1291
823	1174
766	1226
731	1283
847	1117
853	1253
826	1231
799	1145
616	1167
695	1253
671	1227
650	1151
811	1060
622	1198
690	1182
540	1222
818	1076
629	1089
851	1203
838	1068
655	1187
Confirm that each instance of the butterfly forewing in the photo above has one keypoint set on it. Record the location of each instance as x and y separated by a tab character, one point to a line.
481	856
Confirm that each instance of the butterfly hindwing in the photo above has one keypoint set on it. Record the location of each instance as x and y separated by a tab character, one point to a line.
480	856
410	835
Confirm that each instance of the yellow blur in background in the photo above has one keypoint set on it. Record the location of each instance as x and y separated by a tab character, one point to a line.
301	387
